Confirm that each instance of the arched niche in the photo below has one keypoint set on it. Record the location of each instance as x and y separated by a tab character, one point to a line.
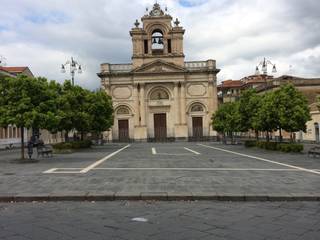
123	110
159	94
197	108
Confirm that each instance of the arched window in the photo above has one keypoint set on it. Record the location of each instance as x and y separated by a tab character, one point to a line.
123	110
157	40
197	108
159	94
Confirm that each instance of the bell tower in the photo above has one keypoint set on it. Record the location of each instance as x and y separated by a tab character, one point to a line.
157	39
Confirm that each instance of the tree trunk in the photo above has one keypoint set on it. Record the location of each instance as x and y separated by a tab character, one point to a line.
66	136
280	135
268	139
257	134
22	142
82	136
100	138
291	137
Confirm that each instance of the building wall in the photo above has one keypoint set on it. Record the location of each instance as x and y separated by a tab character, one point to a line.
183	94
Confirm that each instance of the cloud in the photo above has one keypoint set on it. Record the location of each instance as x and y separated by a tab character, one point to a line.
192	3
237	33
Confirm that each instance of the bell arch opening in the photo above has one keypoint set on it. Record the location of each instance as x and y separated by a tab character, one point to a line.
157	42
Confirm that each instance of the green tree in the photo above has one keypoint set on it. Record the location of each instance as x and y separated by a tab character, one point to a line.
267	118
249	103
72	111
24	103
293	110
100	110
226	119
82	110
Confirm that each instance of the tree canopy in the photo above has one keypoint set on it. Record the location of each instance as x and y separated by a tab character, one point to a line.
36	103
286	108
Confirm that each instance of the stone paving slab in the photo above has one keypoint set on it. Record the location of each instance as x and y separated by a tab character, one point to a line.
222	176
163	220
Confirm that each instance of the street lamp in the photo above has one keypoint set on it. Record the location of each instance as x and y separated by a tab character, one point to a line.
74	66
2	61
264	67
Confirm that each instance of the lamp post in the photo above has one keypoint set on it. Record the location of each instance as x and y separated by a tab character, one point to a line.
74	66
264	67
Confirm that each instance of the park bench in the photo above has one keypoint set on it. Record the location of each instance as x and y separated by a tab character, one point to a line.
315	151
44	150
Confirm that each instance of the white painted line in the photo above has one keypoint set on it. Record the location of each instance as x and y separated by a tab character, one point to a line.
190	150
63	170
262	159
87	169
154	152
175	154
205	169
50	170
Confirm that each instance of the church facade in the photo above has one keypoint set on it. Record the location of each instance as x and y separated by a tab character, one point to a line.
159	96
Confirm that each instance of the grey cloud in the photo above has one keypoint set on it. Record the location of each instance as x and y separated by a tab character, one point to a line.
237	33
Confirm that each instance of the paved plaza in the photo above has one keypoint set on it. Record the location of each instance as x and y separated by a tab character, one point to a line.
121	220
163	171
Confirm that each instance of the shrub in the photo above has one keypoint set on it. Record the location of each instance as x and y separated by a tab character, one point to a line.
73	145
250	143
290	147
267	145
284	147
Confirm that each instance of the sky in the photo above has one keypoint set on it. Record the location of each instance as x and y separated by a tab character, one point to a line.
238	34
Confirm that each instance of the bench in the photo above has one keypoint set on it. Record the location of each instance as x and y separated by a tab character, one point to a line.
315	151
44	150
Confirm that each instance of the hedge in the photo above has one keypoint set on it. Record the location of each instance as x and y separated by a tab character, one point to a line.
292	147
73	145
250	143
275	146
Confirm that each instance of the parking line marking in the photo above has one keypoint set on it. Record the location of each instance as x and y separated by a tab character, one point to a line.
190	150
87	169
50	170
154	152
262	159
206	169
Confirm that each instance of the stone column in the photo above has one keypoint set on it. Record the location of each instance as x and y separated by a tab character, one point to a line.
176	102
136	104
183	104
142	105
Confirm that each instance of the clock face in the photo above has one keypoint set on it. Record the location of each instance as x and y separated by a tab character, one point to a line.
156	12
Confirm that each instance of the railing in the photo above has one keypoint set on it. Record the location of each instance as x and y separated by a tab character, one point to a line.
196	65
121	67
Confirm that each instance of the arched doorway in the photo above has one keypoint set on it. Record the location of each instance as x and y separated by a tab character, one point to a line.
159	96
197	112
123	115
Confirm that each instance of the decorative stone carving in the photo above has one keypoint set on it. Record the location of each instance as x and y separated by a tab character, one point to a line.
159	94
196	90
121	92
123	110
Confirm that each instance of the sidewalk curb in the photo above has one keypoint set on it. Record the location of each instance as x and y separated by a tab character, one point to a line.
154	197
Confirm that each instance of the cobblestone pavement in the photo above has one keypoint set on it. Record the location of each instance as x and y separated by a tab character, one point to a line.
165	220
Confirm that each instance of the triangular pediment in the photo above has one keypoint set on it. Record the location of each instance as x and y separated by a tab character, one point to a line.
159	66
